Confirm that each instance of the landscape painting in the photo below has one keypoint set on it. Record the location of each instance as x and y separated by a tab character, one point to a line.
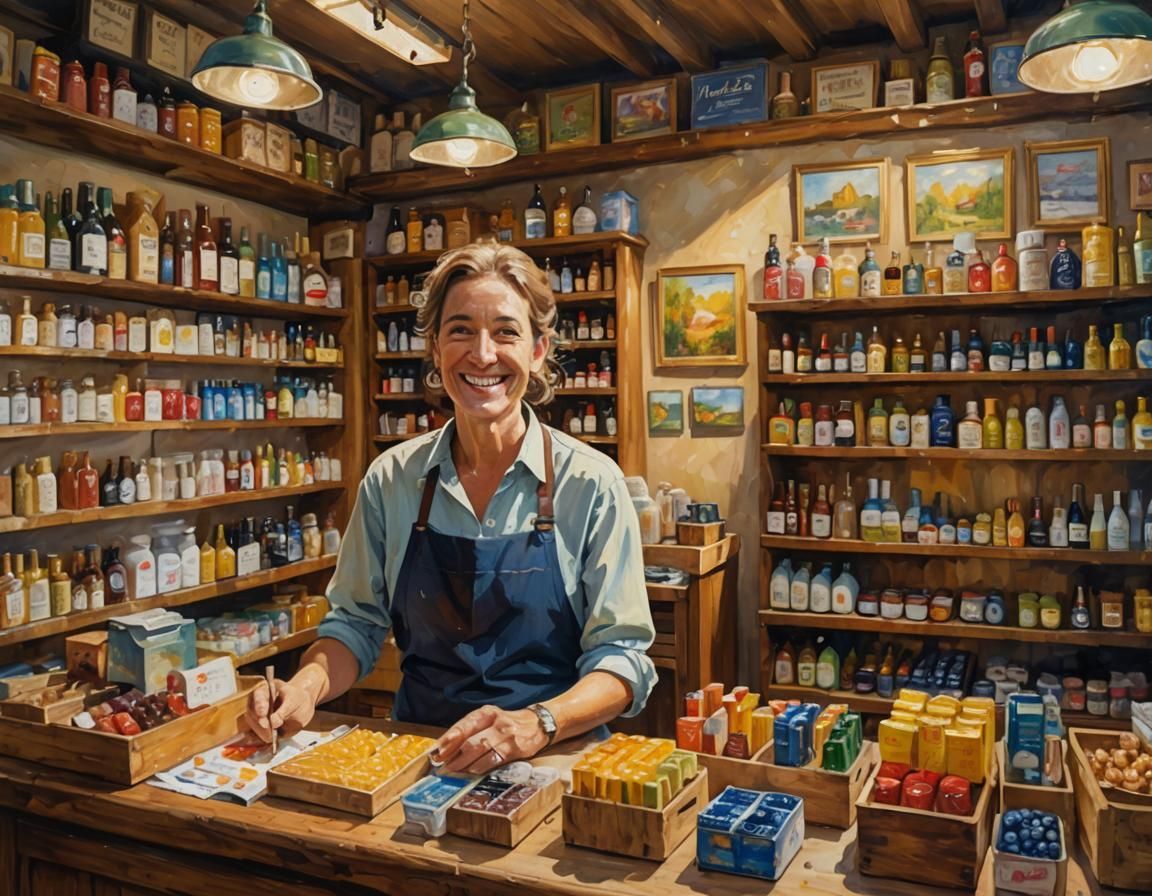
1068	182
721	408
700	316
665	412
845	203
970	190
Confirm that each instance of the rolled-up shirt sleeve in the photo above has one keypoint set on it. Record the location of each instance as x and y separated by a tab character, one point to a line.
618	628
358	592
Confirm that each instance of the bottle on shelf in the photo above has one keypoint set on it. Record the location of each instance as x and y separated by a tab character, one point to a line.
871	276
933	273
1065	271
939	85
893	276
1078	534
1099	257
1004	271
1119	349
785	103
584	217
1098	526
536	216
1142	250
975	67
773	273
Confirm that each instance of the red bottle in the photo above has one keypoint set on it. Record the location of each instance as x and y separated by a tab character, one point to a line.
87	485
100	92
975	67
206	259
979	275
134	404
74	87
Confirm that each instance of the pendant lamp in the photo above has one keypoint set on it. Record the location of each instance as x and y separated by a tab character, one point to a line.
255	69
1088	47
463	137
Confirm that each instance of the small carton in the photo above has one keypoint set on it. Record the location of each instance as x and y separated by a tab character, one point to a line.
751	833
144	647
619	210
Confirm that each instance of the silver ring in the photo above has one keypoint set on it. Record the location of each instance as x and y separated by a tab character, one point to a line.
497	756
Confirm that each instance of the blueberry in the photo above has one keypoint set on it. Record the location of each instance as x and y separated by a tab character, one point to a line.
1013	848
1010	837
1052	836
1012	819
1054	851
1049	821
1026	814
1025	835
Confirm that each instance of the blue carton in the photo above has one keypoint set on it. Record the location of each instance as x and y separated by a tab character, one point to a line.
792	730
750	832
730	96
619	210
144	647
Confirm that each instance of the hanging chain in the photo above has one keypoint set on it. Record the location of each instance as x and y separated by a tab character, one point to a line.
468	50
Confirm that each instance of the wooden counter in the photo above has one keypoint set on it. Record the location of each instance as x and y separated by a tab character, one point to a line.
61	833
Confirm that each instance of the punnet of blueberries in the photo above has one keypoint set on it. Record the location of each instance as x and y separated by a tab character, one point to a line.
1030	833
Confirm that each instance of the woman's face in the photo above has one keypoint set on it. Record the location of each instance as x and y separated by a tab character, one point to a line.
485	348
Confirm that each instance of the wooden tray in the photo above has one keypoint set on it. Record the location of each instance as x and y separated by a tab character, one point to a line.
127	760
58	713
724	771
1057	800
925	847
506	830
634	830
368	803
14	687
1115	835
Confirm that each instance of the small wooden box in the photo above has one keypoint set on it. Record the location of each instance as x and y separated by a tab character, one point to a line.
829	797
14	687
724	771
1115	835
368	803
278	148
924	847
506	830
244	140
26	707
87	649
634	830
699	534
1057	800
1015	875
127	760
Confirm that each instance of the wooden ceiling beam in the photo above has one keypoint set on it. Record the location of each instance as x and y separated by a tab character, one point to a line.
668	33
991	16
791	29
906	23
592	25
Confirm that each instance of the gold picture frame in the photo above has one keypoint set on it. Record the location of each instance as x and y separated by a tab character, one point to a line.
1069	183
1140	185
700	315
948	192
845	86
572	117
644	110
824	207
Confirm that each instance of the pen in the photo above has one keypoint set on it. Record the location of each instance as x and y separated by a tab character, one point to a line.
270	677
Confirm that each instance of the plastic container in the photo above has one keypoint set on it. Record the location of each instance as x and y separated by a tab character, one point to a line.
426	803
1032	260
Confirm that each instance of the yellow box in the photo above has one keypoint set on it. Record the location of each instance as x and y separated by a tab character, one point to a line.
763	720
965	750
944	700
896	740
931	753
912	696
913	706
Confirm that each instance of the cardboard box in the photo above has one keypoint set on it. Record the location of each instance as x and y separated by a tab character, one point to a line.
736	833
619	210
144	647
244	140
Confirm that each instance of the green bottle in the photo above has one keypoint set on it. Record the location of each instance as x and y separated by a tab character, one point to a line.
828	669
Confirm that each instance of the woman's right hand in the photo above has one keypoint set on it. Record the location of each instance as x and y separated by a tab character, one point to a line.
295	706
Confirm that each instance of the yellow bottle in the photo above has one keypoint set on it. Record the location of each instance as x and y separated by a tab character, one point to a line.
1119	350
1125	261
207	563
285	402
993	428
845	276
36	589
933	274
119	397
1013	430
1015	525
877	357
1098	255
1093	350
9	226
225	556
30	228
999	528
1142	426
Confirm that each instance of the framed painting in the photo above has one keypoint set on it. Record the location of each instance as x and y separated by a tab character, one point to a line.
644	110
700	316
665	412
966	190
845	203
1068	183
1140	185
718	408
572	117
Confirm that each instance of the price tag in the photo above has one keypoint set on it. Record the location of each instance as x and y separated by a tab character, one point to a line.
209	682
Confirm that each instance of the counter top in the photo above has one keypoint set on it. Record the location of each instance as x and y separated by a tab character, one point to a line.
336	846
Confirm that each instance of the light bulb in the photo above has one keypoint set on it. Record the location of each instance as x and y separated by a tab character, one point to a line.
462	150
1094	62
258	86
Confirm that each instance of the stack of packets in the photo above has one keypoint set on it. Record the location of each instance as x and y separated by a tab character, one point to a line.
502	792
950	742
749	832
806	733
633	770
362	759
722	724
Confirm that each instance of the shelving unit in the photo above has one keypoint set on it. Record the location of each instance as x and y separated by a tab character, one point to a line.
978	552
33	430
79	354
992	455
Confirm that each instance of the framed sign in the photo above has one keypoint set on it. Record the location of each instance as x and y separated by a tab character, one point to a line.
966	190
842	88
165	44
717	409
700	316
845	202
196	43
901	92
343	118
1140	185
111	24
572	117
644	110
1003	65
729	96
1068	182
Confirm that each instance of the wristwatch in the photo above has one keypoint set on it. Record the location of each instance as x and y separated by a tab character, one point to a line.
546	719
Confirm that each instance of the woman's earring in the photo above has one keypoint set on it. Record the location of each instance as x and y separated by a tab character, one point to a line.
433	380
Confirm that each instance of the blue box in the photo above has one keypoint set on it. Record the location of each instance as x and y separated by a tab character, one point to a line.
750	832
144	647
619	210
730	96
1004	67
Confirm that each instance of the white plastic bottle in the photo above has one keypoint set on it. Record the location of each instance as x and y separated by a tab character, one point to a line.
780	586
1034	429
800	591
140	564
1059	426
1117	525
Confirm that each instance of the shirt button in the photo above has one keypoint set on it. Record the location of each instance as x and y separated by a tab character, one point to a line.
489	523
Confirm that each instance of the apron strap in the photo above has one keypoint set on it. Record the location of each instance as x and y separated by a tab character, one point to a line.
544	516
426	501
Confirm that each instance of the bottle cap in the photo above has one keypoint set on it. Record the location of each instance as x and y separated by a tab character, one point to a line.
1029	239
965	241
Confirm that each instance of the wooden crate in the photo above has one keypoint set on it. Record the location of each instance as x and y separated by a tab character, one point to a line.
1115	835
724	771
58	713
368	803
1057	800
634	830
506	830
925	847
699	534
127	760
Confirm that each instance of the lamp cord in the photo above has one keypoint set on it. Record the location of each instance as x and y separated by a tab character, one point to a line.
468	49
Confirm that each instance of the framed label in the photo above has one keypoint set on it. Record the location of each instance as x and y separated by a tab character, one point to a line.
195	44
111	24
343	118
316	115
843	88
165	44
901	92
247	559
339	244
737	95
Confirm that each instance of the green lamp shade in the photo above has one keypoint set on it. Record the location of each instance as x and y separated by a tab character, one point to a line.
256	70
463	137
1090	46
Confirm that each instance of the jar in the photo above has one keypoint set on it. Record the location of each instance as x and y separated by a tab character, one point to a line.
994	609
1119	703
824	428
1111	609
1028	610
172	403
86	401
329	166
868	604
1097	702
211	131
1143	601
313	543
1137	687
972	606
188	123
1032	260
984	688
1050	612
646	509
69	412
1047	684
44	82
1075	697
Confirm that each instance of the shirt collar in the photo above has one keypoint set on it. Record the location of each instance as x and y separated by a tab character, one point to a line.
531	448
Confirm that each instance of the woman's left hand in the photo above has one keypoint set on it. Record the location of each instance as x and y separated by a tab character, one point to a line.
489	737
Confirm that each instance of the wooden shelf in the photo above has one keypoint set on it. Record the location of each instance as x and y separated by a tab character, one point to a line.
587	345
400	308
400	356
919	121
1043	555
598	392
398	396
575	298
281	645
865	453
984	377
954	629
81	354
25	431
55	125
157	508
597	440
549	246
954	303
395	437
16	278
88	618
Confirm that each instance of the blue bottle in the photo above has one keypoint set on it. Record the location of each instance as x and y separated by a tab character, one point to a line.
219	402
235	402
958	356
204	390
263	270
249	392
1065	268
295	537
1073	353
279	275
942	424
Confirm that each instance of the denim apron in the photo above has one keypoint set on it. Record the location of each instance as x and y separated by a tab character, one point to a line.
482	621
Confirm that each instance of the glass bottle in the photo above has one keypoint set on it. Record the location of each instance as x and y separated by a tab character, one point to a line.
1142	251
30	227
979	274
584	218
785	103
59	243
206	273
1120	428
844	518
1065	270
90	249
933	274
1119	349
773	273
114	233
871	277
536	216
975	67
1099	255
913	277
1098	527
939	86
893	276
228	260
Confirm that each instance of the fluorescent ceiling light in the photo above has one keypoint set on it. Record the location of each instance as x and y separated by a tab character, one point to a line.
392	27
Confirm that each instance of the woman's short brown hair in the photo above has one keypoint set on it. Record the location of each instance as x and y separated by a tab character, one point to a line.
518	272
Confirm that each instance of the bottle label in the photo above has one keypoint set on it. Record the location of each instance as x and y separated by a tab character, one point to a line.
783	672
1078	532
775	522
247	270
32	247
79	598
845	430
899	430
821	525
186	269
96	594
315	290
535	224
397	243
124	106
824	433
870	282
93	253
938	87
584	220
229	275
39	601
117	261
209	270
870	519
969	435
